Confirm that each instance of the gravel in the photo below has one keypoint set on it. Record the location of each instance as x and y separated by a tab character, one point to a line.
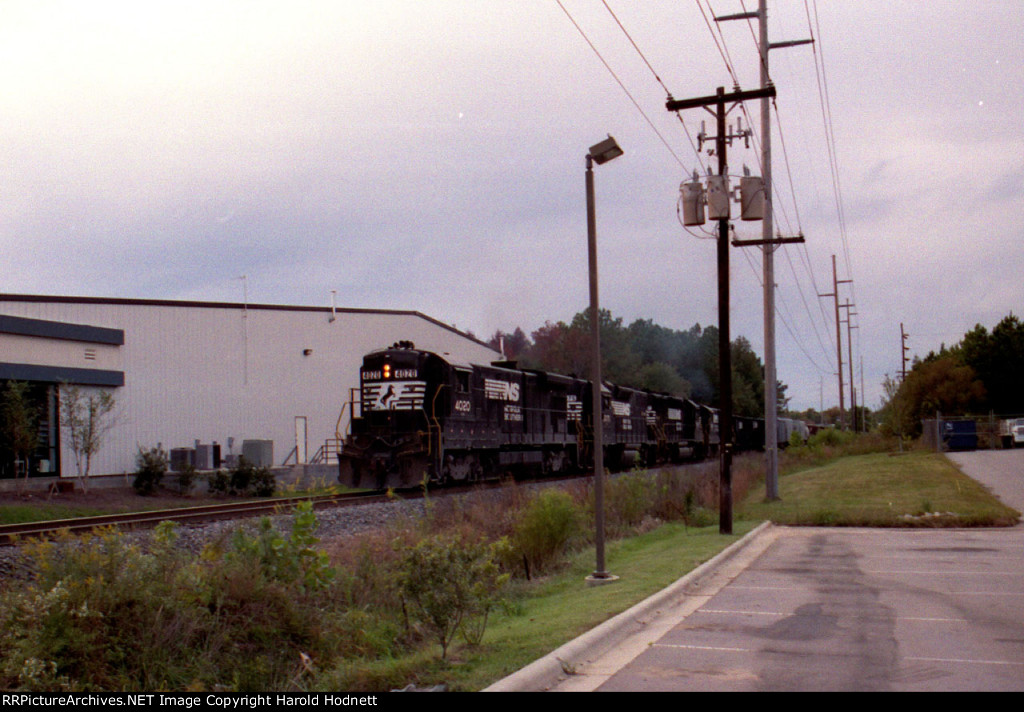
334	522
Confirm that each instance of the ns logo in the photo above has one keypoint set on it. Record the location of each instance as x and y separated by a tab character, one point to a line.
501	390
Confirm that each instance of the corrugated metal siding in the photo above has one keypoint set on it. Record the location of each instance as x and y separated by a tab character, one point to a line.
205	372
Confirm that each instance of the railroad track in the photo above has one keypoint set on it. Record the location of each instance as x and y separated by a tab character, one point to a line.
11	533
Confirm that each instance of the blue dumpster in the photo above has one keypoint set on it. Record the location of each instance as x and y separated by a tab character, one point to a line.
960	435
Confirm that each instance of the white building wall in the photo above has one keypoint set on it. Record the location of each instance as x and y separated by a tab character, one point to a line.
213	372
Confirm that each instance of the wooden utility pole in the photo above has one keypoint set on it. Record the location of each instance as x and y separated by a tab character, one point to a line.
719	101
839	339
903	354
849	359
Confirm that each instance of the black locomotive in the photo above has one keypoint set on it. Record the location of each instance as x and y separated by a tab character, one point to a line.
419	416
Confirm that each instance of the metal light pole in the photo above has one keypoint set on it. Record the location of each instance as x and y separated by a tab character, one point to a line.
599	153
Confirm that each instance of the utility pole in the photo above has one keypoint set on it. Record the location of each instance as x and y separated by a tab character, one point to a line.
849	354
864	420
771	394
720	205
839	339
905	349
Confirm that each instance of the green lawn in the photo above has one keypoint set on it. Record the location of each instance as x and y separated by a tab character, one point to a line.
881	490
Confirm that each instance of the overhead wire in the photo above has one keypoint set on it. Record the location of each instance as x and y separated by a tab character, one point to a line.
722	45
621	85
826	112
780	312
657	77
826	108
723	50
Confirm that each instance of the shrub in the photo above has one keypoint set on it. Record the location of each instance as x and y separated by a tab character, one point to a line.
627	500
151	465
546	527
185	478
101	614
290	560
453	584
244	479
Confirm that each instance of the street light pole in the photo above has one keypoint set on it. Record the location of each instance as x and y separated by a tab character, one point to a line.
599	153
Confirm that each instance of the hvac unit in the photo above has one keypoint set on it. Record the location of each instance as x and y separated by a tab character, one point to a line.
259	452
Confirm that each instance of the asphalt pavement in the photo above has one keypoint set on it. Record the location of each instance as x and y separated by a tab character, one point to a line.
823	609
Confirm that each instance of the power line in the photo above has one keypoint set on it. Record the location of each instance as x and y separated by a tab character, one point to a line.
657	78
623	86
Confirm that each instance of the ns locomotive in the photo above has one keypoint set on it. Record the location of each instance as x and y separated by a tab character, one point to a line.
419	417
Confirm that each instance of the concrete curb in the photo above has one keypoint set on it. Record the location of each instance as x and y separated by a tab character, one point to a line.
544	673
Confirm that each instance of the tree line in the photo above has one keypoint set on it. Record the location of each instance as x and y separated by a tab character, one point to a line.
983	373
642	355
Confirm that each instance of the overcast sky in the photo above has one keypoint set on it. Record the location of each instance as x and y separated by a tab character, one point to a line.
430	156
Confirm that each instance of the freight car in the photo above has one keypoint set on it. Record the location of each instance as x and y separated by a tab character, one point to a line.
417	416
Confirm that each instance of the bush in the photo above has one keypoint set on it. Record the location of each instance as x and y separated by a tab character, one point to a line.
103	614
546	527
628	499
151	465
100	615
244	479
291	560
453	585
185	478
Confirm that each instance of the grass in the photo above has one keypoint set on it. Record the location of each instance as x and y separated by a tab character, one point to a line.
882	490
25	513
547	613
19	508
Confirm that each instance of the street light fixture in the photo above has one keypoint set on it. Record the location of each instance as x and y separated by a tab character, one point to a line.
604	151
599	153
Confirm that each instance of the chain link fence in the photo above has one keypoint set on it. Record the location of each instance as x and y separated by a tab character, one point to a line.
990	432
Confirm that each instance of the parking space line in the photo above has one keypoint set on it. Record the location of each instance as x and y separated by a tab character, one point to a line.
967	661
949	572
703	647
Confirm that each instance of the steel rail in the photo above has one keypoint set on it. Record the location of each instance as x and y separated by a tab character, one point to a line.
11	533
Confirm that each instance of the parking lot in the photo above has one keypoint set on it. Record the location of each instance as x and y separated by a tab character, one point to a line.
844	609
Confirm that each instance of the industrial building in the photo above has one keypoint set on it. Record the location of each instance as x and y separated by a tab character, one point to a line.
220	376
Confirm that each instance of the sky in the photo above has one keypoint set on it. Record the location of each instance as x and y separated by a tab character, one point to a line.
430	156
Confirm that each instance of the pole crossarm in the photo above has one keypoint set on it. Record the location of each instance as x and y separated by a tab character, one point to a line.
736	96
772	241
739	16
789	43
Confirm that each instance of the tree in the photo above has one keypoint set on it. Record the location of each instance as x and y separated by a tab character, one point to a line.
20	420
85	417
944	385
998	359
747	379
662	378
512	345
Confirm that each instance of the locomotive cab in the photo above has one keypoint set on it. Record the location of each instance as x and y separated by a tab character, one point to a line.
394	420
